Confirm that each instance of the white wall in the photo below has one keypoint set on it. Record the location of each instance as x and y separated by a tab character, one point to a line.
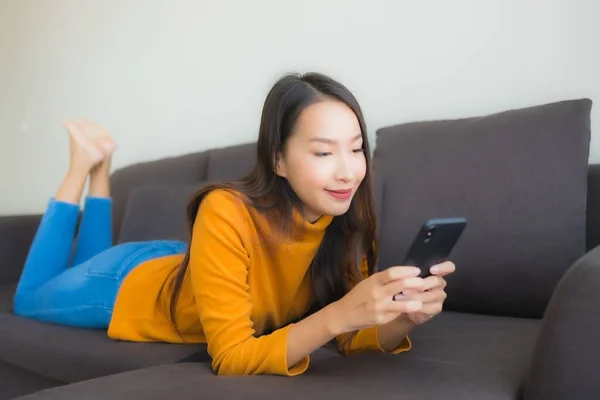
172	77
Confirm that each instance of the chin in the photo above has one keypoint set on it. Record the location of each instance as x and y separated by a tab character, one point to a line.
337	211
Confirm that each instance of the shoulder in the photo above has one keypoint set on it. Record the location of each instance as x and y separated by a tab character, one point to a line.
223	202
226	209
222	197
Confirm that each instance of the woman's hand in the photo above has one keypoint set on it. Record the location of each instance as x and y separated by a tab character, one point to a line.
432	296
371	302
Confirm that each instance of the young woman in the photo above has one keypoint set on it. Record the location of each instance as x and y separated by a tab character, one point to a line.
278	264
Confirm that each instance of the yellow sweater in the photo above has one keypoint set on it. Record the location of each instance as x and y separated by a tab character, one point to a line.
235	291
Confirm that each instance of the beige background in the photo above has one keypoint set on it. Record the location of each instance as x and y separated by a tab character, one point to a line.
172	77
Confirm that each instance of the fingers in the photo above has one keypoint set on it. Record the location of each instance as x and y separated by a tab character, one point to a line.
74	131
434	296
396	273
415	284
434	282
432	309
403	306
443	269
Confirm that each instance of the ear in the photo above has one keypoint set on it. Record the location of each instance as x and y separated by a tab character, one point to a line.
279	165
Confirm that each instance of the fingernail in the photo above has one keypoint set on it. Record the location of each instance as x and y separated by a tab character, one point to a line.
434	270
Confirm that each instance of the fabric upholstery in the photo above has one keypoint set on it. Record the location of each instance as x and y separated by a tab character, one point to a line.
565	364
519	177
186	169
593	207
157	212
16	235
70	355
7	291
15	381
231	163
458	356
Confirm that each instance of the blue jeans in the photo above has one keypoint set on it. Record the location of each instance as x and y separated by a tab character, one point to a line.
83	294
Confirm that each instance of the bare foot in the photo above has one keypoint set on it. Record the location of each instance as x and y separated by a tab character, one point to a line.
85	152
84	155
100	173
99	135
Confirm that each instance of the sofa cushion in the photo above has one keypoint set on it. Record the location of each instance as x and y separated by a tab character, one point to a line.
157	212
70	354
519	177
455	356
179	170
17	381
7	291
231	163
16	235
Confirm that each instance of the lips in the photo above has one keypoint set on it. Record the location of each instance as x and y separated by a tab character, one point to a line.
340	194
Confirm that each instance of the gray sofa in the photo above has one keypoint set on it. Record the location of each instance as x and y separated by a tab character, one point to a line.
521	319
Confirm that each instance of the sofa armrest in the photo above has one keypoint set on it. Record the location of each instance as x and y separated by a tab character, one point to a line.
16	235
565	361
593	207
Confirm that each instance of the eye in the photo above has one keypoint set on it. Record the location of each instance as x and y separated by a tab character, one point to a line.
358	150
322	154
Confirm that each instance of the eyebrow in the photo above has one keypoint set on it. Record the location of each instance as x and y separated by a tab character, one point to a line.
331	141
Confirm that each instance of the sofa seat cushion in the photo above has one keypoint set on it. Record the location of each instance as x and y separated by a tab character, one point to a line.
70	354
18	382
7	291
455	356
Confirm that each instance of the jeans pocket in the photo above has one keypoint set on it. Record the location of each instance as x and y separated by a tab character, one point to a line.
116	261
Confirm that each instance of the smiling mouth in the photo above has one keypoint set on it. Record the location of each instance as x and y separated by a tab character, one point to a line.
340	194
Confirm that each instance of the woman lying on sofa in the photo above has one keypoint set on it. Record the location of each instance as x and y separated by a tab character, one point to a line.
278	264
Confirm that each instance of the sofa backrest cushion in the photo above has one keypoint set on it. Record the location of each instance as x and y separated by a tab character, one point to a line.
231	163
220	164
180	170
519	177
157	212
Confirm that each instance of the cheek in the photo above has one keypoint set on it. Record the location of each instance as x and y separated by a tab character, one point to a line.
313	174
360	170
307	174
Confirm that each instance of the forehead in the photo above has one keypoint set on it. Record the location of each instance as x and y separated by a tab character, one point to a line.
328	119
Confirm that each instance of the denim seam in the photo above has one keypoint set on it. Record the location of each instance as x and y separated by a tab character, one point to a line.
57	311
124	265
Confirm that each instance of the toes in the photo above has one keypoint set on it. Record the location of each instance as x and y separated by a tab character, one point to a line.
96	152
74	132
108	146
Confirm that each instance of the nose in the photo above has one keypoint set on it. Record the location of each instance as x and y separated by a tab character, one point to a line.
344	171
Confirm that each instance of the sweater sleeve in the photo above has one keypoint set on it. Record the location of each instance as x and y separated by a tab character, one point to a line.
218	270
367	339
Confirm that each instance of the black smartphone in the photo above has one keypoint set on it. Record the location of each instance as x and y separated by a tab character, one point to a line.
434	243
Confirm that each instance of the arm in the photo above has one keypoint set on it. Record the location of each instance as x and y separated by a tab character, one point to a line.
16	235
218	268
567	345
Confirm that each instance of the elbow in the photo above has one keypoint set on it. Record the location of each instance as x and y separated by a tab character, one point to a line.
229	362
245	359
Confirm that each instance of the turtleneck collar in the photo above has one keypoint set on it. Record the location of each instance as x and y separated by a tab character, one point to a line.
312	229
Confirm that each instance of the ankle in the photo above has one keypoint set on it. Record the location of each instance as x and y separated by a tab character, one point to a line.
72	187
76	173
100	181
78	167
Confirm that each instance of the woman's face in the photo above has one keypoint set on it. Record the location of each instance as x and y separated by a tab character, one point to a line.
323	159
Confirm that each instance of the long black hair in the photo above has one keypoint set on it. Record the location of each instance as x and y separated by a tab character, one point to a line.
348	238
